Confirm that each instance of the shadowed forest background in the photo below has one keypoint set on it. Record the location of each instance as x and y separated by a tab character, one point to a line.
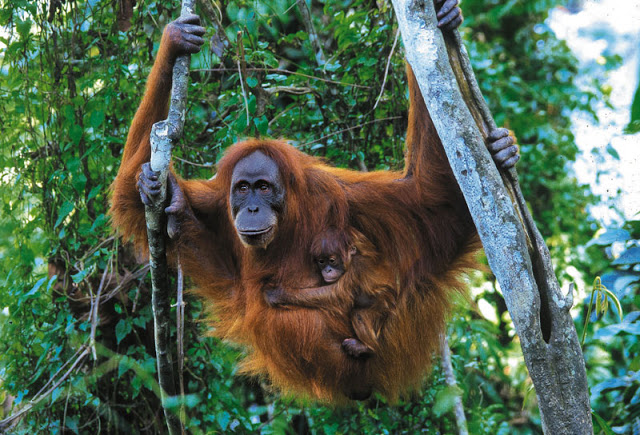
75	300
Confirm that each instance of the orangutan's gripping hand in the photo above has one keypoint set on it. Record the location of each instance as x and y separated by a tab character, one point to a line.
178	210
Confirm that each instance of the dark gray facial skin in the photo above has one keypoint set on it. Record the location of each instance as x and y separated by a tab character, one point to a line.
257	199
331	268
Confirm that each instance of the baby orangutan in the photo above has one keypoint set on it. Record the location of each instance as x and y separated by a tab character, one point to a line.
347	261
329	254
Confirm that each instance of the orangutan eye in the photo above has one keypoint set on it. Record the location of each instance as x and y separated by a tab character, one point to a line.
264	187
242	188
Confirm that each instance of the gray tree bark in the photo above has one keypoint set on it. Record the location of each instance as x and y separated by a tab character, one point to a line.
163	135
450	378
515	249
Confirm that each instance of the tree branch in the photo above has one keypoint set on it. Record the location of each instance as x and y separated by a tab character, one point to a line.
552	354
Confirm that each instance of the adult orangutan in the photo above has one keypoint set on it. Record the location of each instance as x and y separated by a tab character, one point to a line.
250	229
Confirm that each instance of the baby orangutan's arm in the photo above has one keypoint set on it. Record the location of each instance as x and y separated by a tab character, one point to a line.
311	297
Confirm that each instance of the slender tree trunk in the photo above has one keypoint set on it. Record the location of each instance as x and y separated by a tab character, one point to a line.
163	135
514	248
450	378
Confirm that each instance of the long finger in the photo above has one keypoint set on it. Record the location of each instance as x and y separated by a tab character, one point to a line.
504	155
173	226
511	162
189	19
149	173
451	20
455	23
174	209
189	47
501	144
192	39
144	198
498	133
193	29
149	184
446	8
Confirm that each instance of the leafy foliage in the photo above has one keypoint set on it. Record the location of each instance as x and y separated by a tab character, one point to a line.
611	347
71	76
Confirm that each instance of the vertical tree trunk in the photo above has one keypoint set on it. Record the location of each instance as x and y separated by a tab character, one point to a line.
514	248
163	136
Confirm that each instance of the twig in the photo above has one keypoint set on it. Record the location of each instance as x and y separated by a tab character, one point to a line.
219	40
311	31
450	377
180	332
125	281
352	128
285	71
200	165
66	405
58	372
93	313
386	70
241	63
289	90
9	421
95	248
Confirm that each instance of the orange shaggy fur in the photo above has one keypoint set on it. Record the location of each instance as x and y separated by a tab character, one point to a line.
416	220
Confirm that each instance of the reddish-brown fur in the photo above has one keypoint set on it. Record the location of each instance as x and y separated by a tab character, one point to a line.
366	292
367	288
416	220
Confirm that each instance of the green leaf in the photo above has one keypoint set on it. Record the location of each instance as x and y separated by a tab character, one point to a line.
20	397
36	287
96	118
52	280
262	124
140	322
604	426
630	256
72	423
123	366
332	67
94	192
616	302
223	420
56	393
252	82
611	236
635	364
80	276
64	211
99	222
123	328
75	133
446	400
634	122
79	182
612	152
23	28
